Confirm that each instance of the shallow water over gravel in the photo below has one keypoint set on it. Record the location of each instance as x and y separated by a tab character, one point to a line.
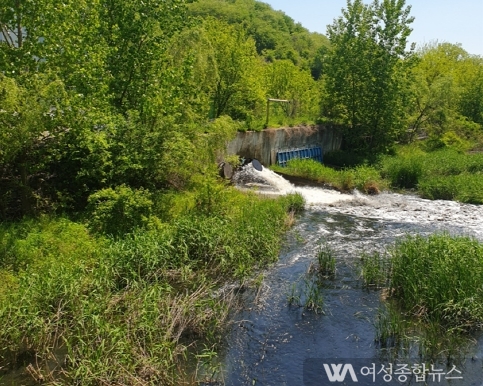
269	339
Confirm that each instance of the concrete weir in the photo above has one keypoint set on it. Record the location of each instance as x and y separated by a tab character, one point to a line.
264	145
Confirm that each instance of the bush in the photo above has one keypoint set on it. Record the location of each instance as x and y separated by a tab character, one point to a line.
365	178
403	172
438	188
294	202
119	211
344	158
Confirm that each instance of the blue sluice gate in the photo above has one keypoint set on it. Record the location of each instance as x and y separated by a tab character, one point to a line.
284	156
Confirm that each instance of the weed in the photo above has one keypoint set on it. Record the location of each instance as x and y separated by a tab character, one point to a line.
308	295
325	261
439	278
364	178
313	296
390	327
375	270
132	303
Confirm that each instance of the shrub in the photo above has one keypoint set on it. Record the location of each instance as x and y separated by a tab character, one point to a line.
120	210
344	158
403	172
365	178
464	187
294	202
368	179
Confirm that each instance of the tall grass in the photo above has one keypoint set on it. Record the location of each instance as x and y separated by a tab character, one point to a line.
434	295
443	174
326	265
375	269
364	178
440	278
405	170
87	309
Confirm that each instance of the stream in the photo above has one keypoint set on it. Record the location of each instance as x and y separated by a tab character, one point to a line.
272	342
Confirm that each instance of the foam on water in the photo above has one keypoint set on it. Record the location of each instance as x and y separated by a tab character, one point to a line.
267	181
443	215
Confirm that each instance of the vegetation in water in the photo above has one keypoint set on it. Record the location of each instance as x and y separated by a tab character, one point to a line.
307	291
326	265
374	269
433	294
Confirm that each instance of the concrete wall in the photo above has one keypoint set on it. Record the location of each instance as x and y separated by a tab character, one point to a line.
263	145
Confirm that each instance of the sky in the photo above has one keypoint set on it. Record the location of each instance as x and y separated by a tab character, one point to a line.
444	21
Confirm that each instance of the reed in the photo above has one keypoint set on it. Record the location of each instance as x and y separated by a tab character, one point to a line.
439	278
306	293
375	269
326	266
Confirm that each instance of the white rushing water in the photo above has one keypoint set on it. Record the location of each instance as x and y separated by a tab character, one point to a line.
269	182
443	215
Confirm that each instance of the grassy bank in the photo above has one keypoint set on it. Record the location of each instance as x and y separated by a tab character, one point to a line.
82	306
446	174
363	178
443	174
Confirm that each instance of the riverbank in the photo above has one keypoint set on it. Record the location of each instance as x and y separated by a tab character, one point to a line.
443	174
82	306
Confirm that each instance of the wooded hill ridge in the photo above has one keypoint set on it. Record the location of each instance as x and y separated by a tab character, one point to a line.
96	94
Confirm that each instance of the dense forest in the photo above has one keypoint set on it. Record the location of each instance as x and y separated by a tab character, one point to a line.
113	117
96	94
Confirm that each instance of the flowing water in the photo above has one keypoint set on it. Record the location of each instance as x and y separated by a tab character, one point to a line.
271	340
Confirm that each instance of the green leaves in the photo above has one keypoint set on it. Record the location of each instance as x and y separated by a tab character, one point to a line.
366	70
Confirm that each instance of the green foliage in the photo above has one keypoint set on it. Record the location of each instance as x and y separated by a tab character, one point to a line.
375	269
309	169
446	95
308	295
325	261
294	202
119	211
443	174
132	297
365	178
344	159
52	146
276	35
31	242
138	36
439	278
284	80
462	187
366	73
404	171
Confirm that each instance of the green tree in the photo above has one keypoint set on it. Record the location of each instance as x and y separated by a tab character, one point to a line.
236	90
284	80
61	38
138	35
366	73
447	92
